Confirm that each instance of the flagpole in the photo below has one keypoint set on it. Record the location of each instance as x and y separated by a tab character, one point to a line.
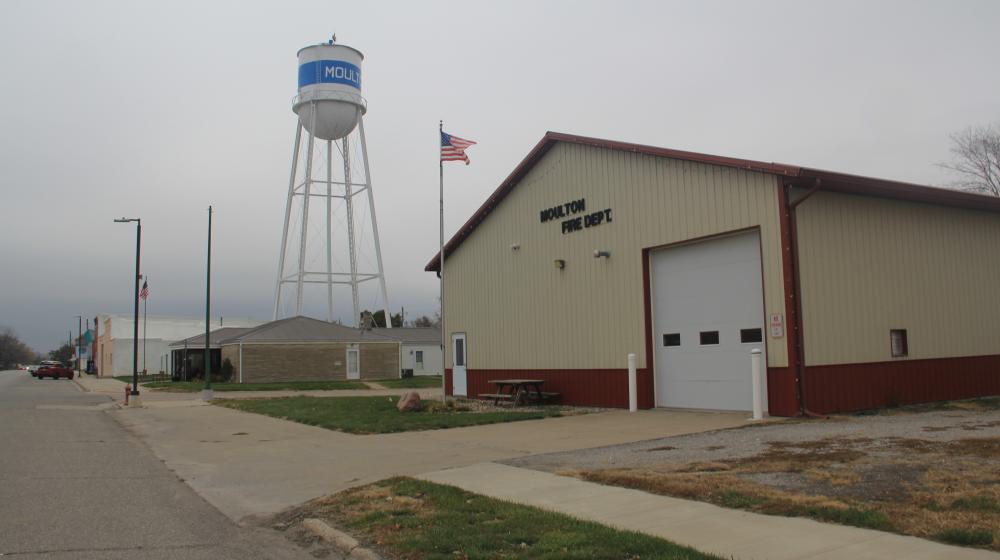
145	315
444	384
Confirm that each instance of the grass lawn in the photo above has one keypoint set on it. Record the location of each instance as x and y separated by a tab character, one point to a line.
414	519
372	415
195	386
421	382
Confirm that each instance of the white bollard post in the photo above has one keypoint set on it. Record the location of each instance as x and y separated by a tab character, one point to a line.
633	397
758	397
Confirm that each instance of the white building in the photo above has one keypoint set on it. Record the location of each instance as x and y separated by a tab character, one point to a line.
420	348
114	340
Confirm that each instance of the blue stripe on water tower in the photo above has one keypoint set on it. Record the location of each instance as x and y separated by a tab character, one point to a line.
329	72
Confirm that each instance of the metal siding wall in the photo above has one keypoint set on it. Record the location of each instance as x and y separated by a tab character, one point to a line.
869	265
520	312
850	387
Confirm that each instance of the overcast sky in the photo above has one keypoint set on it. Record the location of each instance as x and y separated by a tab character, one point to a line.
158	109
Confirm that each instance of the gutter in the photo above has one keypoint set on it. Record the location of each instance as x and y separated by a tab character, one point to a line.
793	230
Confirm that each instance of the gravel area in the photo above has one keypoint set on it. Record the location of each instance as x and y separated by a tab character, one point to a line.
930	471
947	423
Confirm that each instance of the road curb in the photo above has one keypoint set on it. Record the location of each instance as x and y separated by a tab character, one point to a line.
347	544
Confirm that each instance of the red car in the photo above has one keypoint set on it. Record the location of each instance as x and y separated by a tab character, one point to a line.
55	371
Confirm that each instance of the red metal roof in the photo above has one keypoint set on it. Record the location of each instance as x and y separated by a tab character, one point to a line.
830	180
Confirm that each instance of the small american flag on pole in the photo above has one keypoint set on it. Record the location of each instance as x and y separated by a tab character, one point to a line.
453	148
145	290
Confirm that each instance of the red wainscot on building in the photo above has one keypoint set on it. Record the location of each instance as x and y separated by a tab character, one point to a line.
860	292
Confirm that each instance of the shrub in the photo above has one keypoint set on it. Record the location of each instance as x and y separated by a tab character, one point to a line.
966	537
227	370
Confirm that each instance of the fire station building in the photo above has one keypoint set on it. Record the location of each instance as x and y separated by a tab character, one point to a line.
860	292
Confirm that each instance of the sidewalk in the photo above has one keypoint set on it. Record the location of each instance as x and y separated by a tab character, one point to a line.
251	464
705	527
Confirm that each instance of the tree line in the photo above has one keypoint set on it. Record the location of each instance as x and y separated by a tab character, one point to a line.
14	352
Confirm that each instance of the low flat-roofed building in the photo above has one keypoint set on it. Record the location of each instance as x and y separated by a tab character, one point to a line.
115	332
420	352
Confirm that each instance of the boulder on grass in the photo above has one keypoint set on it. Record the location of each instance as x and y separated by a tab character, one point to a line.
409	402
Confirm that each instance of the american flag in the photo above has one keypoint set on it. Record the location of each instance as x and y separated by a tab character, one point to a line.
453	148
145	290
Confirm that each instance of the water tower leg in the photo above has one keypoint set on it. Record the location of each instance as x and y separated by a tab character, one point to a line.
349	203
371	207
305	214
288	214
329	230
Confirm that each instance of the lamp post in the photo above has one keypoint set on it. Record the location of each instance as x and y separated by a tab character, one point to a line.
79	342
135	322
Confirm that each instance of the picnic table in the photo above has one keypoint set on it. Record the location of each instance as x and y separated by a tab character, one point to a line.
518	391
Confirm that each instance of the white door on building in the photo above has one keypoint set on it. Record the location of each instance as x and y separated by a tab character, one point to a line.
353	364
708	314
458	358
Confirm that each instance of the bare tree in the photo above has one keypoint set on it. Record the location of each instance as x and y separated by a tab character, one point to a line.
13	352
424	321
976	159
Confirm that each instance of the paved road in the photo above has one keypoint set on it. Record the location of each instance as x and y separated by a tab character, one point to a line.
75	484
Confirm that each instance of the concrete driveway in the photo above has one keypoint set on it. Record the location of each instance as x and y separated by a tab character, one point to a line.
248	464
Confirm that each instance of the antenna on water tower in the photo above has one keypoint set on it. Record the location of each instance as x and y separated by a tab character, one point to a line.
329	108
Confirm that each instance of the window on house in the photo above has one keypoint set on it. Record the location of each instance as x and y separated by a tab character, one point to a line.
709	337
459	352
751	335
897	343
672	339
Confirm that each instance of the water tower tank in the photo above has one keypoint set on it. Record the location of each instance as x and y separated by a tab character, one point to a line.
330	83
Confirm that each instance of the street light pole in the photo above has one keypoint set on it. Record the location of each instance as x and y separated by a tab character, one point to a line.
79	342
135	321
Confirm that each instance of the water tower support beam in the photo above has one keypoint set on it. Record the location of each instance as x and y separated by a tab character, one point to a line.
329	230
305	211
371	206
349	200
288	215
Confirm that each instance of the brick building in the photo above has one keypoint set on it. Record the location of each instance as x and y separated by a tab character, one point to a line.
306	349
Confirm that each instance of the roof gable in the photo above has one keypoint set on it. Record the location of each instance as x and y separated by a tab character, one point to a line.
305	329
790	174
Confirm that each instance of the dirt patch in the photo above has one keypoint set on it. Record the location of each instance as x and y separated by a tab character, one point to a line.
931	471
346	511
930	489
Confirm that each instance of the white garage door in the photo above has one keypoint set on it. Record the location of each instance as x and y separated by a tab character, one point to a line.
707	315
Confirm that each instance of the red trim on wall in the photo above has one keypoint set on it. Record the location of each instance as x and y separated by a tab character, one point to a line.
781	392
835	388
449	388
850	387
784	396
647	395
581	387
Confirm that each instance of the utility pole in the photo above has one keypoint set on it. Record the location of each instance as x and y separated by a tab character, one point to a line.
207	392
145	316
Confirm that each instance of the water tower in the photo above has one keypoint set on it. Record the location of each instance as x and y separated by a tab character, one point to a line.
326	180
